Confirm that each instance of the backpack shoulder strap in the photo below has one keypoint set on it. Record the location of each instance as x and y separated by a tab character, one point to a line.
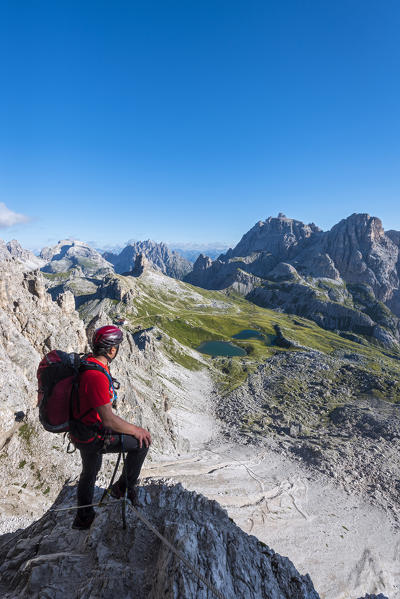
75	360
85	365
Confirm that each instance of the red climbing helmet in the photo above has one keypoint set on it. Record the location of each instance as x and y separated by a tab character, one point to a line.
105	338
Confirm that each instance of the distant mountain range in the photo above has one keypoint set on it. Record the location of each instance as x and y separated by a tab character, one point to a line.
158	254
192	251
189	251
298	395
345	279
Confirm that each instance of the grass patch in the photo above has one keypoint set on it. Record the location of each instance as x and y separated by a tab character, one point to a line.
26	432
56	275
182	358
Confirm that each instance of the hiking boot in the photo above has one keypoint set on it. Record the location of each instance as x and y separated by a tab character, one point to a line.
118	493
83	522
116	490
132	496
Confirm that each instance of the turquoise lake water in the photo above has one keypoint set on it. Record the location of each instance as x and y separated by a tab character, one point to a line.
220	348
249	334
226	348
253	334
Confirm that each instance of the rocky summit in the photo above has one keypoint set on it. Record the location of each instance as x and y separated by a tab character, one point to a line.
14	250
158	255
345	279
69	254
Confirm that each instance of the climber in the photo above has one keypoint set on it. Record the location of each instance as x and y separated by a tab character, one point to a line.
96	429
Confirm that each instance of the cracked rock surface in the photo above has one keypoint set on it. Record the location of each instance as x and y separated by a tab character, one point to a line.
49	560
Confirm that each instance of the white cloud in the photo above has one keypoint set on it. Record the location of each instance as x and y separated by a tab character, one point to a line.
8	218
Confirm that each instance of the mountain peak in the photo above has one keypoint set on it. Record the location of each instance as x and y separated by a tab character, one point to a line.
276	235
13	249
68	253
158	255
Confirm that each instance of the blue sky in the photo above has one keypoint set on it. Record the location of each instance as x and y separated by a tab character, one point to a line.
191	120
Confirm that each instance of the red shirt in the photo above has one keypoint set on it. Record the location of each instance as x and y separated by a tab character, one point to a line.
94	391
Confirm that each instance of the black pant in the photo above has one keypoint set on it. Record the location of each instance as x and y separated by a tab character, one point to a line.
92	456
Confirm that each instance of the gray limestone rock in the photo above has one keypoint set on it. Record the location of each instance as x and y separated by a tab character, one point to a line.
51	560
4	253
26	258
284	272
364	254
394	236
159	256
279	236
141	263
31	324
68	254
66	301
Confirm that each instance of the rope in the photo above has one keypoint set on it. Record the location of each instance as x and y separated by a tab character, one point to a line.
178	553
78	507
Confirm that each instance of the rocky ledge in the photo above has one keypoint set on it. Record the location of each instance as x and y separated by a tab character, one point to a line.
51	561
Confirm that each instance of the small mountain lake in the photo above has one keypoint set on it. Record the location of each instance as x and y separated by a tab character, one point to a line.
253	334
229	349
248	334
220	348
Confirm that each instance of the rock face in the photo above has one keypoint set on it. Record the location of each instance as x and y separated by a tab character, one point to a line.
31	324
280	237
141	263
158	254
4	253
362	253
51	560
26	258
345	279
31	321
68	254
